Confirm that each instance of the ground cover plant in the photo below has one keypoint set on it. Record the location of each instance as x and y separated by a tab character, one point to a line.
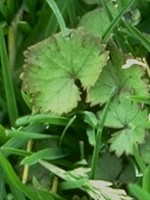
74	100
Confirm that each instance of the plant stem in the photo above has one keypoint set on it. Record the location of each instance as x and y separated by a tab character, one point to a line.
138	158
99	136
59	17
26	167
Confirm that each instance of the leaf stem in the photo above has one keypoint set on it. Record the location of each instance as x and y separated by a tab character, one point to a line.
59	17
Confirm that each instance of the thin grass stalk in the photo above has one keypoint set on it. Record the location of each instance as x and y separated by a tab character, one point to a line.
115	21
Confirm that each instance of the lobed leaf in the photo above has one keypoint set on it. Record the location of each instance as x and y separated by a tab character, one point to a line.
130	120
129	80
54	69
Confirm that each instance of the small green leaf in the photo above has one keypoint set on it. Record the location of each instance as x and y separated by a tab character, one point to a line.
90	118
91	136
130	120
54	67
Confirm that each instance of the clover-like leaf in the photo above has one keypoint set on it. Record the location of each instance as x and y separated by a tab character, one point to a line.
129	80
54	66
131	121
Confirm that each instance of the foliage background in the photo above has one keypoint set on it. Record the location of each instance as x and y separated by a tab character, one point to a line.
97	147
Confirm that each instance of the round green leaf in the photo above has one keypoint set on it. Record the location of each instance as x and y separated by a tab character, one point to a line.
54	67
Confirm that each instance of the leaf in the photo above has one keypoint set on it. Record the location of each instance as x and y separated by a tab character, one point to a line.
110	171
97	20
129	80
54	67
91	136
145	150
127	175
130	120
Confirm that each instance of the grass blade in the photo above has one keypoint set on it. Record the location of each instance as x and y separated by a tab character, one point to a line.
59	17
70	122
134	32
116	20
14	180
42	118
2	185
138	192
8	84
146	180
29	135
15	151
52	25
47	154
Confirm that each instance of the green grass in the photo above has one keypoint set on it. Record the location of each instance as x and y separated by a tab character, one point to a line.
74	124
